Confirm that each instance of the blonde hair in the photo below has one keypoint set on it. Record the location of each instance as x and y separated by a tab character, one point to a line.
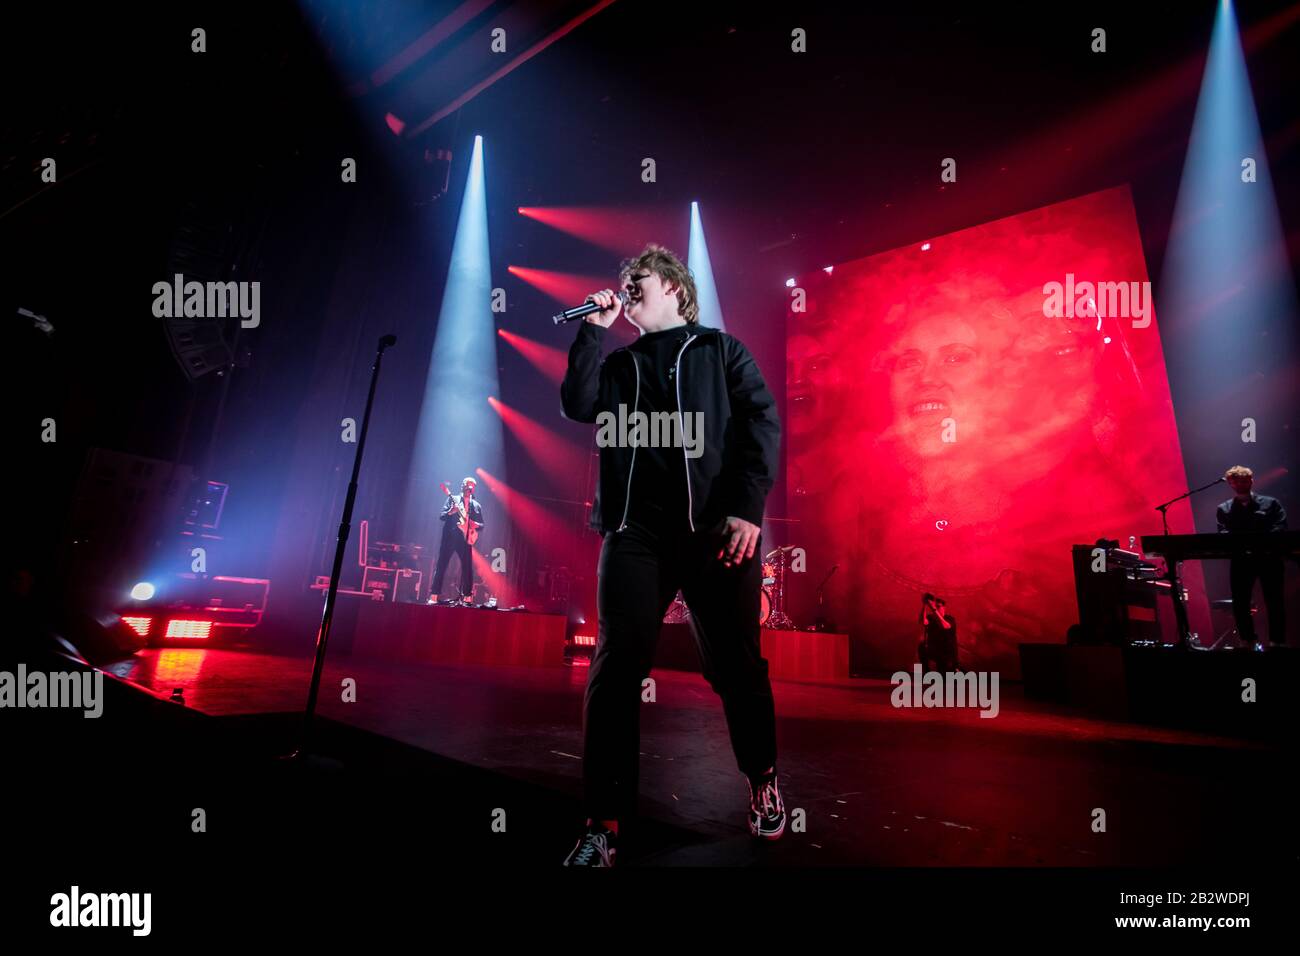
665	264
1238	471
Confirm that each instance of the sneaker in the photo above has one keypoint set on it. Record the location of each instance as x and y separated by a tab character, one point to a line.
766	809
596	848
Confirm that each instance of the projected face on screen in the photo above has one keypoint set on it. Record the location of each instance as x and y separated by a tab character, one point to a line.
947	436
815	387
936	372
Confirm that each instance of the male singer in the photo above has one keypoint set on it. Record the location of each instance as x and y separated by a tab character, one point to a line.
673	520
454	540
1247	511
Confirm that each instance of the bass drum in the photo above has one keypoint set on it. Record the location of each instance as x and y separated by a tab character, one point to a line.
764	605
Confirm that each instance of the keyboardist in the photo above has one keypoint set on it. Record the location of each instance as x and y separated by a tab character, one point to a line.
1246	511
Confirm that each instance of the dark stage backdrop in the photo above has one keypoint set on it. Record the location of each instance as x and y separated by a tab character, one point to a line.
946	435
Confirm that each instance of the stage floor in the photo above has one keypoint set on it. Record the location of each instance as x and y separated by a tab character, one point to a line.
880	786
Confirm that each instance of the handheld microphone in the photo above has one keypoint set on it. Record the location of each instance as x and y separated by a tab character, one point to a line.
578	312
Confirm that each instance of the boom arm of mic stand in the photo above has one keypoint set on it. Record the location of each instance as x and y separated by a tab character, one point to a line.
1164	508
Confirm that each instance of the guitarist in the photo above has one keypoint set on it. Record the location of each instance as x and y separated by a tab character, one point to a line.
461	517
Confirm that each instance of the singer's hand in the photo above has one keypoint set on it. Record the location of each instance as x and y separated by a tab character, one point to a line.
610	307
738	539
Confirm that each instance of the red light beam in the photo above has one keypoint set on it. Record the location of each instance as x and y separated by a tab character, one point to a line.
548	360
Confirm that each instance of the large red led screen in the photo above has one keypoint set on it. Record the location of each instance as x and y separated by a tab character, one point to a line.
961	411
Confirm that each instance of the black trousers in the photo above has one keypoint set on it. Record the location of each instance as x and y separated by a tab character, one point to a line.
938	652
640	572
1242	573
454	543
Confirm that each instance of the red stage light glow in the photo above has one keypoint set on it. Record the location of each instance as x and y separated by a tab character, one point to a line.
200	630
554	454
548	360
622	231
565	288
140	625
175	666
498	582
540	526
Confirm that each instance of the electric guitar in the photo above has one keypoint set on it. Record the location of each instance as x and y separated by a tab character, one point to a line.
464	523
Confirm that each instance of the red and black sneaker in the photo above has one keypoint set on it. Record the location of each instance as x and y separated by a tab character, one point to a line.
596	848
766	809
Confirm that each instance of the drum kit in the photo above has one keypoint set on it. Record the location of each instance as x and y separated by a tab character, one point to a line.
772	598
771	612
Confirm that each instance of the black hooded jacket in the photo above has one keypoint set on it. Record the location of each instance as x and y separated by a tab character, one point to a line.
717	376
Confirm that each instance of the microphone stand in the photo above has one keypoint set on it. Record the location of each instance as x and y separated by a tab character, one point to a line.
345	528
1164	508
819	623
1171	570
